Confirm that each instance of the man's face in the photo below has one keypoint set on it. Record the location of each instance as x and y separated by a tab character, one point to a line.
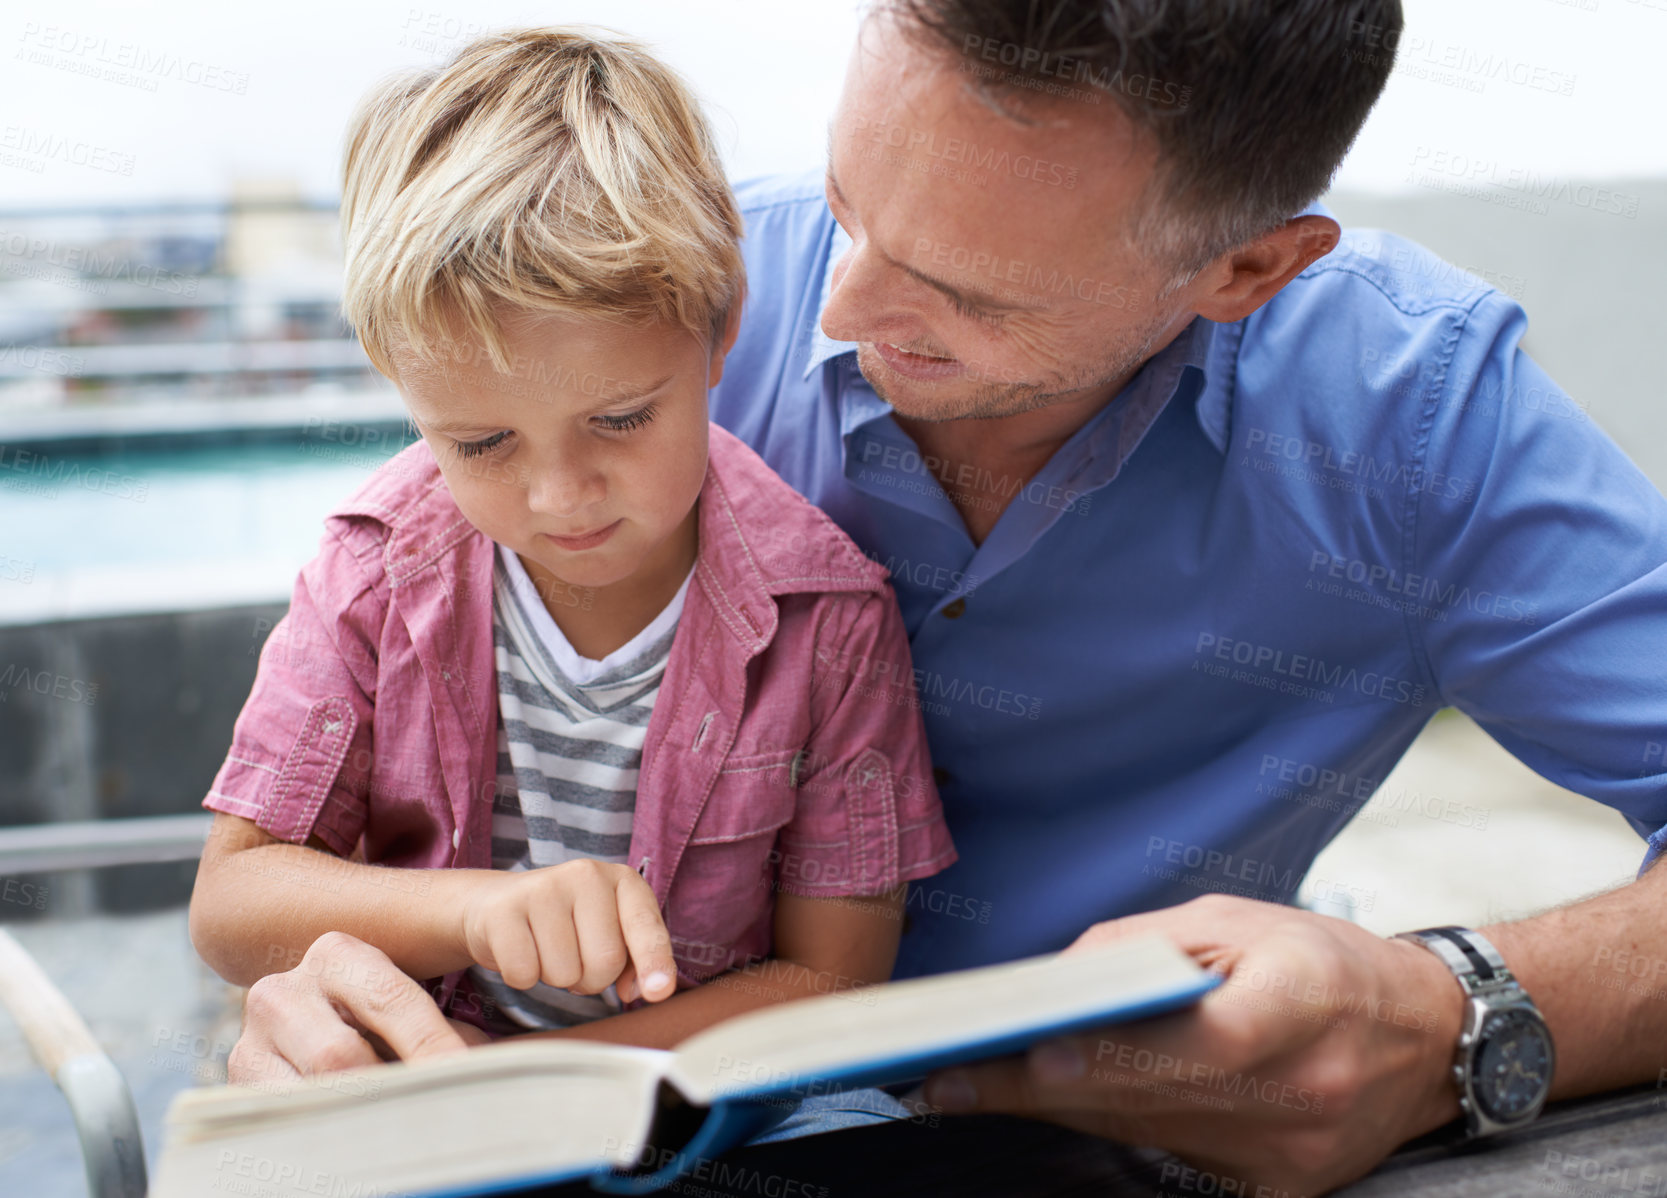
990	272
586	459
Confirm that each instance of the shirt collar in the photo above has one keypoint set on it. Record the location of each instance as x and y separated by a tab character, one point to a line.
1166	375
1215	399
824	348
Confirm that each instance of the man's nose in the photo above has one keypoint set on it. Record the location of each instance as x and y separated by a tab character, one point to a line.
860	299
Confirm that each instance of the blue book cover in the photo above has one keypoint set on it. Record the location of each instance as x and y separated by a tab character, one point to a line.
512	1115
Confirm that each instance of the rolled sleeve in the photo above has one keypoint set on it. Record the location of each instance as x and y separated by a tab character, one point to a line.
299	760
868	809
1657	844
1557	547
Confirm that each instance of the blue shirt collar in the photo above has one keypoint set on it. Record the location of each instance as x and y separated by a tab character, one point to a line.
1215	398
824	348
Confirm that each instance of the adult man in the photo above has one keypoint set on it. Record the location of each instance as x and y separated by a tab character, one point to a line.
1196	512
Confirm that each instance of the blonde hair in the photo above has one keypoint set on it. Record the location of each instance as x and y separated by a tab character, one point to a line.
540	170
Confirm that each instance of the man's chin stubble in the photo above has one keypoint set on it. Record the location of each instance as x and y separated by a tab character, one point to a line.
989	402
996	400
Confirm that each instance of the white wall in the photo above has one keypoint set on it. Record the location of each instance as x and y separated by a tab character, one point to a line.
769	68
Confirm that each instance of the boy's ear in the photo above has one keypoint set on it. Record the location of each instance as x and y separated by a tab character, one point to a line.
732	330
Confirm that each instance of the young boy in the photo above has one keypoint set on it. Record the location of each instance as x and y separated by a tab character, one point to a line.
598	707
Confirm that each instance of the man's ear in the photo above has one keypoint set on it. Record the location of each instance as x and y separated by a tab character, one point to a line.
732	330
1240	282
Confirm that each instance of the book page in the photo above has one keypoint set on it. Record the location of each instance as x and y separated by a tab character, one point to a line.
904	1026
547	1109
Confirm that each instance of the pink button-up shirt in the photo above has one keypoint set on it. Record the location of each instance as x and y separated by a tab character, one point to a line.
785	750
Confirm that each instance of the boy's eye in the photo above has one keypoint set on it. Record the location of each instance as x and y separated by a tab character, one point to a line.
629	421
469	449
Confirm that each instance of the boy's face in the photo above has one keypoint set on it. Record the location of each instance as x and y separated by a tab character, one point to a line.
588	457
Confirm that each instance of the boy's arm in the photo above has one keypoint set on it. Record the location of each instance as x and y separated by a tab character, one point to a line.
823	945
259	903
297	774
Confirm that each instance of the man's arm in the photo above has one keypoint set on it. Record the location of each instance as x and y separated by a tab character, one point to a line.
1580	963
1327	1046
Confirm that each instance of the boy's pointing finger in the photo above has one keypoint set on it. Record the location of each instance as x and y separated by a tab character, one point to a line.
652	966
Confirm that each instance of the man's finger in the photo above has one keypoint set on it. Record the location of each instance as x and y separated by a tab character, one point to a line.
374	996
646	939
1002	1085
471	1035
254	1062
1124	1077
1007	1086
1170	1050
1196	928
289	1021
1012	1085
1154	1067
413	1027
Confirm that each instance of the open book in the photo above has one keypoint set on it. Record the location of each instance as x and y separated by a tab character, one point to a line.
530	1112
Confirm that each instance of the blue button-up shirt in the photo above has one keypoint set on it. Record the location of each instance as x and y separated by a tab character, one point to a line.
1195	643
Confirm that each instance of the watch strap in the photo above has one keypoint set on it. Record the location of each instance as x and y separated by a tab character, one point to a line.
1472	958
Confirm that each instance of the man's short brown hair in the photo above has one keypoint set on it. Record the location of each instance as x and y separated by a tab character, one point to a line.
1253	103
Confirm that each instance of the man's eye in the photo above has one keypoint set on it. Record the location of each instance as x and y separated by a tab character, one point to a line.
966	309
470	449
629	421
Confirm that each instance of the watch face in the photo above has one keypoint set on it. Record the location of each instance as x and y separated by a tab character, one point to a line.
1512	1067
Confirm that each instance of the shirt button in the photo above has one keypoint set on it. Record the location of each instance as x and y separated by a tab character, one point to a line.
942	776
954	611
456	837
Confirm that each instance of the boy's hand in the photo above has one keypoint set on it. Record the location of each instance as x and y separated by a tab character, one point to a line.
578	926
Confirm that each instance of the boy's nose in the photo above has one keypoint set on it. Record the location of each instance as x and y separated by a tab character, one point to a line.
564	489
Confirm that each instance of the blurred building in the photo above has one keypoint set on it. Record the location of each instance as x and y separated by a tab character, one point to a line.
119	304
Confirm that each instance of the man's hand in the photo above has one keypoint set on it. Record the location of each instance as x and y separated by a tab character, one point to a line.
579	926
1324	1048
344	1006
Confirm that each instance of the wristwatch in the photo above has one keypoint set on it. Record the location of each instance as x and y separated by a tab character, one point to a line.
1505	1056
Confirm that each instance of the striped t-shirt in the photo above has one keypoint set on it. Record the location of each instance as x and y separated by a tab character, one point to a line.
570	739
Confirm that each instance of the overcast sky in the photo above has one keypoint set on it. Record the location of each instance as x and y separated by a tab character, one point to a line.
206	92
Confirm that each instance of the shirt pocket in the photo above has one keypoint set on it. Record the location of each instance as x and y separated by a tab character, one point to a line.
723	894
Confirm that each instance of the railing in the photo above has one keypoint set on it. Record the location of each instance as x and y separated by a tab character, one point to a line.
106	1120
94	843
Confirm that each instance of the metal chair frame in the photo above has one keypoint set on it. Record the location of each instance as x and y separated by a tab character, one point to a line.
106	1120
